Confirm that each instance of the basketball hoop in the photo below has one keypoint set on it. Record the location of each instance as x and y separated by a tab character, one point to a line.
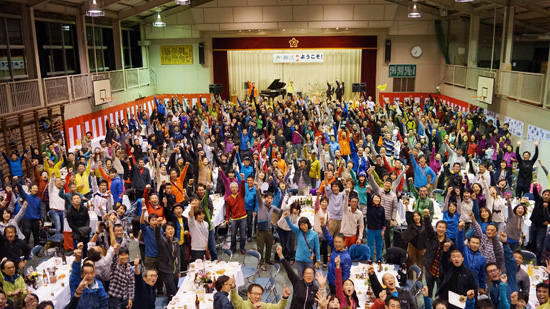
108	100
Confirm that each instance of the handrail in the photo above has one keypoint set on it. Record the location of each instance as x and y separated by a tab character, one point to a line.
25	95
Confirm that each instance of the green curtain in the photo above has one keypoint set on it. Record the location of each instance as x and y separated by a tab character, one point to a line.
440	35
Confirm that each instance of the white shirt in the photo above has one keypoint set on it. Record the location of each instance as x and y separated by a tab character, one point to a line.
56	202
370	105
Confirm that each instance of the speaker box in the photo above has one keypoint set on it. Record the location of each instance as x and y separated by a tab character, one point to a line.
355	87
201	53
388	51
363	87
299	93
245	85
215	88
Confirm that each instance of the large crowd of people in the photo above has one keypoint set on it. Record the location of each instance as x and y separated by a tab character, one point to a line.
376	175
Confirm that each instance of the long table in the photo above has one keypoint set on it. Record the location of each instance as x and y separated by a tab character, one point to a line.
187	292
59	293
359	276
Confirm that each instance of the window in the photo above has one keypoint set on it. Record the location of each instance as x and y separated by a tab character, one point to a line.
131	49
12	51
57	48
102	52
403	84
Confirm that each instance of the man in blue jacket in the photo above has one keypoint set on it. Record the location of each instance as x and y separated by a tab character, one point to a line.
15	164
84	286
251	206
494	272
245	138
473	259
338	247
33	215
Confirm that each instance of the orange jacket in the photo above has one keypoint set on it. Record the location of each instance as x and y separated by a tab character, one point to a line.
150	209
250	86
177	187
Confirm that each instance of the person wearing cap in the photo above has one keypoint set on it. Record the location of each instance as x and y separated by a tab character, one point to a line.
180	222
314	169
245	167
363	190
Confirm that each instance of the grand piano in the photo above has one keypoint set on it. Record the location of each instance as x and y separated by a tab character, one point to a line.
274	90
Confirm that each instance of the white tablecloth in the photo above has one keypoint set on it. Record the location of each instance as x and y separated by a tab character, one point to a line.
538	275
187	293
359	275
60	292
219	209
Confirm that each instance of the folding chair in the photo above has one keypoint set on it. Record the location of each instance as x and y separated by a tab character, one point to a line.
268	282
228	253
412	284
528	256
251	271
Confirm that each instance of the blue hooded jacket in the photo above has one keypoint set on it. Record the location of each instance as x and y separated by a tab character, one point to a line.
116	189
345	260
92	297
473	260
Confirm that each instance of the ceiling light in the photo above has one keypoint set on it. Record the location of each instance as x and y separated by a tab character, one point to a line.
249	30
414	13
95	9
183	2
327	28
283	29
258	30
337	28
302	29
158	22
240	30
464	0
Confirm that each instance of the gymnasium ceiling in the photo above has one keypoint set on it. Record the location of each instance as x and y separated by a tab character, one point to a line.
532	17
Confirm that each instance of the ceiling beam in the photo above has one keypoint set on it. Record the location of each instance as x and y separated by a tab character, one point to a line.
34	3
499	2
537	9
456	6
106	3
141	8
522	2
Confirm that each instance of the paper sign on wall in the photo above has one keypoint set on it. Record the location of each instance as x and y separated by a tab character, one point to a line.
515	126
537	134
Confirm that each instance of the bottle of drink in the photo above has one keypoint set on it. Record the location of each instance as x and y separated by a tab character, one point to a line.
530	269
379	266
63	259
44	276
214	283
210	285
197	302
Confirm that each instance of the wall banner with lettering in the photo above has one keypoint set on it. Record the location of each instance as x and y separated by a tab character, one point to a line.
298	57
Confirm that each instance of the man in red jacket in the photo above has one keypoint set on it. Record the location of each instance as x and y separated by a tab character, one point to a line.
236	212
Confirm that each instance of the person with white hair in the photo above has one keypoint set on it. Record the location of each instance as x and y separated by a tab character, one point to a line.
236	212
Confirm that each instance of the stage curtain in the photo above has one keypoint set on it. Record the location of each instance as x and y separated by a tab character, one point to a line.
309	78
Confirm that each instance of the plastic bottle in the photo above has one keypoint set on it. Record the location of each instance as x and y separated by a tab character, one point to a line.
530	269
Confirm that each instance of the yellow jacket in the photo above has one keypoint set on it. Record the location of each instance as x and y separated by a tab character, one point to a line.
83	180
55	168
315	169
